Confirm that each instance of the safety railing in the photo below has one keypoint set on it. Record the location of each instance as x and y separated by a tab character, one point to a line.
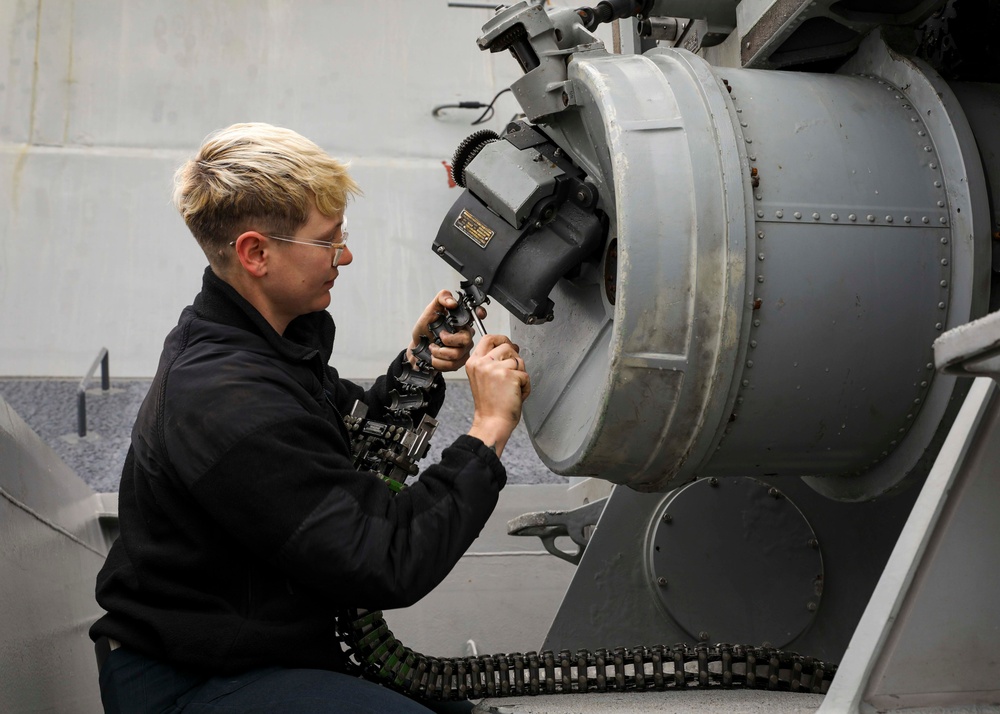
81	392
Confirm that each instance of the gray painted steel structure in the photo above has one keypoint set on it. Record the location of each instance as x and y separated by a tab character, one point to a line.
657	388
742	333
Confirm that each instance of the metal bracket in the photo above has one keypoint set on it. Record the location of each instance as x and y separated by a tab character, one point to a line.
971	350
578	524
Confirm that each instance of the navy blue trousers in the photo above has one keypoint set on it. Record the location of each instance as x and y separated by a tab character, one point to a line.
134	684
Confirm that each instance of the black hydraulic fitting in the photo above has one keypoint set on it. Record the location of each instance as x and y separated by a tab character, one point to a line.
609	10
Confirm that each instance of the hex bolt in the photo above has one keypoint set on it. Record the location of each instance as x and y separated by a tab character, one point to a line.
565	99
581	196
478	280
661	581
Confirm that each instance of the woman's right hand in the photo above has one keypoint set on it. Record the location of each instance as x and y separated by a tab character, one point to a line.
499	385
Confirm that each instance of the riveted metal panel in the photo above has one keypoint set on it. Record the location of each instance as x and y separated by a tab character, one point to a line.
787	247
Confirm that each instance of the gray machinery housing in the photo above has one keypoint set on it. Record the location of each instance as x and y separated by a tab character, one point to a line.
727	281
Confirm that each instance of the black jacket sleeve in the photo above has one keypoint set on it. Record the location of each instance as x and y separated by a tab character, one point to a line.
288	491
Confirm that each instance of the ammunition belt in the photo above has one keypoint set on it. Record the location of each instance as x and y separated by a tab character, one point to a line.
384	659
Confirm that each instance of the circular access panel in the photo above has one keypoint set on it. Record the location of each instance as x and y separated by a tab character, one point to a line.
734	560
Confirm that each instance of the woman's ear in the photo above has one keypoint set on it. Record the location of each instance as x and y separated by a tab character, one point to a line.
251	250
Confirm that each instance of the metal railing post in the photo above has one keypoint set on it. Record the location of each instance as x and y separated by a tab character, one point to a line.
81	392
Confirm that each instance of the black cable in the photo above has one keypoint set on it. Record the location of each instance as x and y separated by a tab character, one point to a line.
487	108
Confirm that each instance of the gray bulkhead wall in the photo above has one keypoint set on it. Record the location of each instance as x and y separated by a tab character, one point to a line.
101	101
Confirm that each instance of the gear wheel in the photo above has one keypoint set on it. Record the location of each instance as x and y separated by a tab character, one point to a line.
507	38
468	150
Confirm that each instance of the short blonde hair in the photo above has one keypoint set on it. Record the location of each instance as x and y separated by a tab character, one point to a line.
256	176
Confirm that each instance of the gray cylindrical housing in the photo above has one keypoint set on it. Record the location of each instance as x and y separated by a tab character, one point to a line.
788	246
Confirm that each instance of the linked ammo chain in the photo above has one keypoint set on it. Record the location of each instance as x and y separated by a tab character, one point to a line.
391	446
384	659
391	451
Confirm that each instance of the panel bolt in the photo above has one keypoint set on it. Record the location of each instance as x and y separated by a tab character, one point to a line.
834	217
815	216
703	636
440	250
661	581
478	280
852	217
667	518
812	607
774	493
714	482
813	543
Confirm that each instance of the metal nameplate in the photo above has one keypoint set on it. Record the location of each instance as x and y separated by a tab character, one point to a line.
474	228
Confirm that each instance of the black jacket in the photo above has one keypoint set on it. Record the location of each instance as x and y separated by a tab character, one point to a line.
243	522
